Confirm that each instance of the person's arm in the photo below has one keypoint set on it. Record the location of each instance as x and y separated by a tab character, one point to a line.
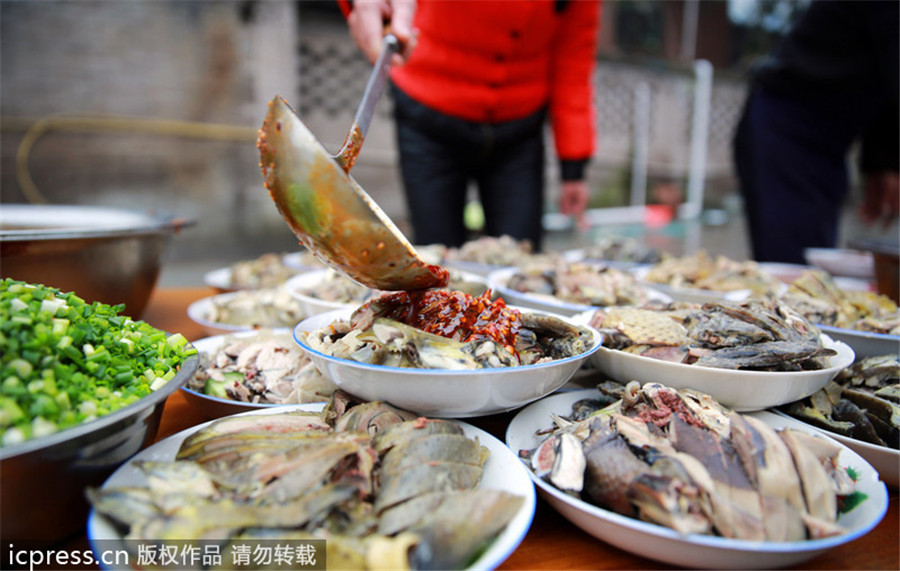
880	166
370	19
881	203
572	112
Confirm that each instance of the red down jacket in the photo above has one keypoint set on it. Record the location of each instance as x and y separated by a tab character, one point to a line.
498	60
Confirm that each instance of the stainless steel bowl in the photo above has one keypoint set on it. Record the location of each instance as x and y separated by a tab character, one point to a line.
42	480
101	254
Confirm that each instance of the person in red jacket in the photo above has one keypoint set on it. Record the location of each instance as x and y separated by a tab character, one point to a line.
473	86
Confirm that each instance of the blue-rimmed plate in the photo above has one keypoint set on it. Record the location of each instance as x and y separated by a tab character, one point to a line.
214	407
498	281
691	550
741	390
864	343
884	459
442	393
502	471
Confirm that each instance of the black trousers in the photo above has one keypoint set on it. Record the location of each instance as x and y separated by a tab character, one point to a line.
791	156
440	155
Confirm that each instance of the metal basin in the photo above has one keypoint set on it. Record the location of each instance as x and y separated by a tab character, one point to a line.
102	254
43	479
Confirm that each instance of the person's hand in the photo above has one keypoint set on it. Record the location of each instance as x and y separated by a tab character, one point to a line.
881	202
370	20
573	200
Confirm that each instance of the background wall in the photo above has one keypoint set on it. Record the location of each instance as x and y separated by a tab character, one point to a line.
169	95
143	63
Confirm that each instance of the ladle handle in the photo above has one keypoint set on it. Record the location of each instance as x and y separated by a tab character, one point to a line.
346	156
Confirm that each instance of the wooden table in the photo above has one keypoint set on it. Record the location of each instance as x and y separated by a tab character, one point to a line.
552	542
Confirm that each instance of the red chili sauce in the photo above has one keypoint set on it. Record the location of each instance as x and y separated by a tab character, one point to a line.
453	314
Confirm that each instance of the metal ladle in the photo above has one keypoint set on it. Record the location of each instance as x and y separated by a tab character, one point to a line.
326	209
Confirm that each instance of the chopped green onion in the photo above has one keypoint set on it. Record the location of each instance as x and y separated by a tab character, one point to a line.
20	367
52	305
64	361
847	503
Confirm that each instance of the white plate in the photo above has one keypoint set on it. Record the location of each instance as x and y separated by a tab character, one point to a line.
302	261
885	461
215	407
477	268
786	273
440	392
431	253
579	255
502	471
299	285
739	390
691	295
499	279
219	279
842	262
472	284
692	551
201	310
854	284
864	343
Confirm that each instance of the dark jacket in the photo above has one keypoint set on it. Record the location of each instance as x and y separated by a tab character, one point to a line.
849	48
